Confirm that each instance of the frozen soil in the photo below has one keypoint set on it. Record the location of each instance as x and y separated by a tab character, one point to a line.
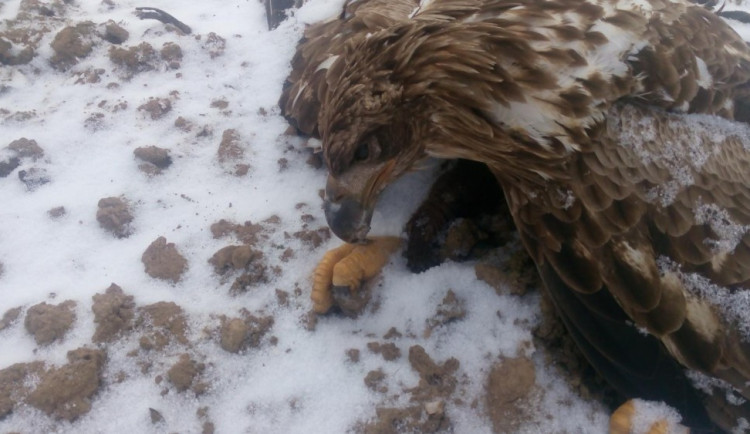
155	262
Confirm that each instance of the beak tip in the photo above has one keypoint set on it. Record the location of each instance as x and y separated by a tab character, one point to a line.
348	219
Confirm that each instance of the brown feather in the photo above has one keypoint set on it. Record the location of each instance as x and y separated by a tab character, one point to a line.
580	109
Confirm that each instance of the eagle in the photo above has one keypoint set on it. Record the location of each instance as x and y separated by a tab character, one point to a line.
617	131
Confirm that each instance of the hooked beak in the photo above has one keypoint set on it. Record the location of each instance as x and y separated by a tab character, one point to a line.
351	198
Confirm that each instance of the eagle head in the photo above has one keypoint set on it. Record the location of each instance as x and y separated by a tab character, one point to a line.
370	137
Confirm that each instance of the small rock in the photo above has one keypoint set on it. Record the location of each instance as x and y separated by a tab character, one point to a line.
25	148
34	177
71	44
157	108
134	60
155	415
163	261
353	355
8	166
114	33
373	380
155	155
389	351
9	317
172	54
49	322
233	334
56	212
114	216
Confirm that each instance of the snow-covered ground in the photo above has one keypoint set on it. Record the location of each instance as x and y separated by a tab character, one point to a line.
296	377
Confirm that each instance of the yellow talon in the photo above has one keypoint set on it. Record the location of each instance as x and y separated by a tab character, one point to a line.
621	422
348	265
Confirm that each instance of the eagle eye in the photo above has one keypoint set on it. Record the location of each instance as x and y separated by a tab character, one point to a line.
362	152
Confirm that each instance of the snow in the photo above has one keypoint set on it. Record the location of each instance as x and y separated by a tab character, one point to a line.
303	383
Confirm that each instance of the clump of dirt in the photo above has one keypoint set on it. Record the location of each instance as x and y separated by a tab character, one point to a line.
214	44
134	60
374	380
17	151
72	44
56	212
510	389
239	334
49	323
14	384
8	165
163	261
389	350
153	158
66	392
10	316
34	177
313	237
184	374
114	33
172	54
162	322
113	215
231	151
230	259
516	274
220	104
435	381
436	384
247	233
353	355
157	108
25	148
208	426
113	314
450	309
392	333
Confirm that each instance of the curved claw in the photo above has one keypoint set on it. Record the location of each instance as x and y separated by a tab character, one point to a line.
621	422
347	266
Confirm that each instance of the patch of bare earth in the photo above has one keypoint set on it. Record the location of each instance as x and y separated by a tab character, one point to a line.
114	215
153	159
66	392
163	261
509	393
114	313
162	322
48	323
437	383
239	334
244	264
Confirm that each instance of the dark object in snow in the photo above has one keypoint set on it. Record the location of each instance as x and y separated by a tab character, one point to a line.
740	16
146	13
163	261
276	11
34	177
113	215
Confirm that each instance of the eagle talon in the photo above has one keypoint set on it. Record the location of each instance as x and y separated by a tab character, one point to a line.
342	270
622	422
